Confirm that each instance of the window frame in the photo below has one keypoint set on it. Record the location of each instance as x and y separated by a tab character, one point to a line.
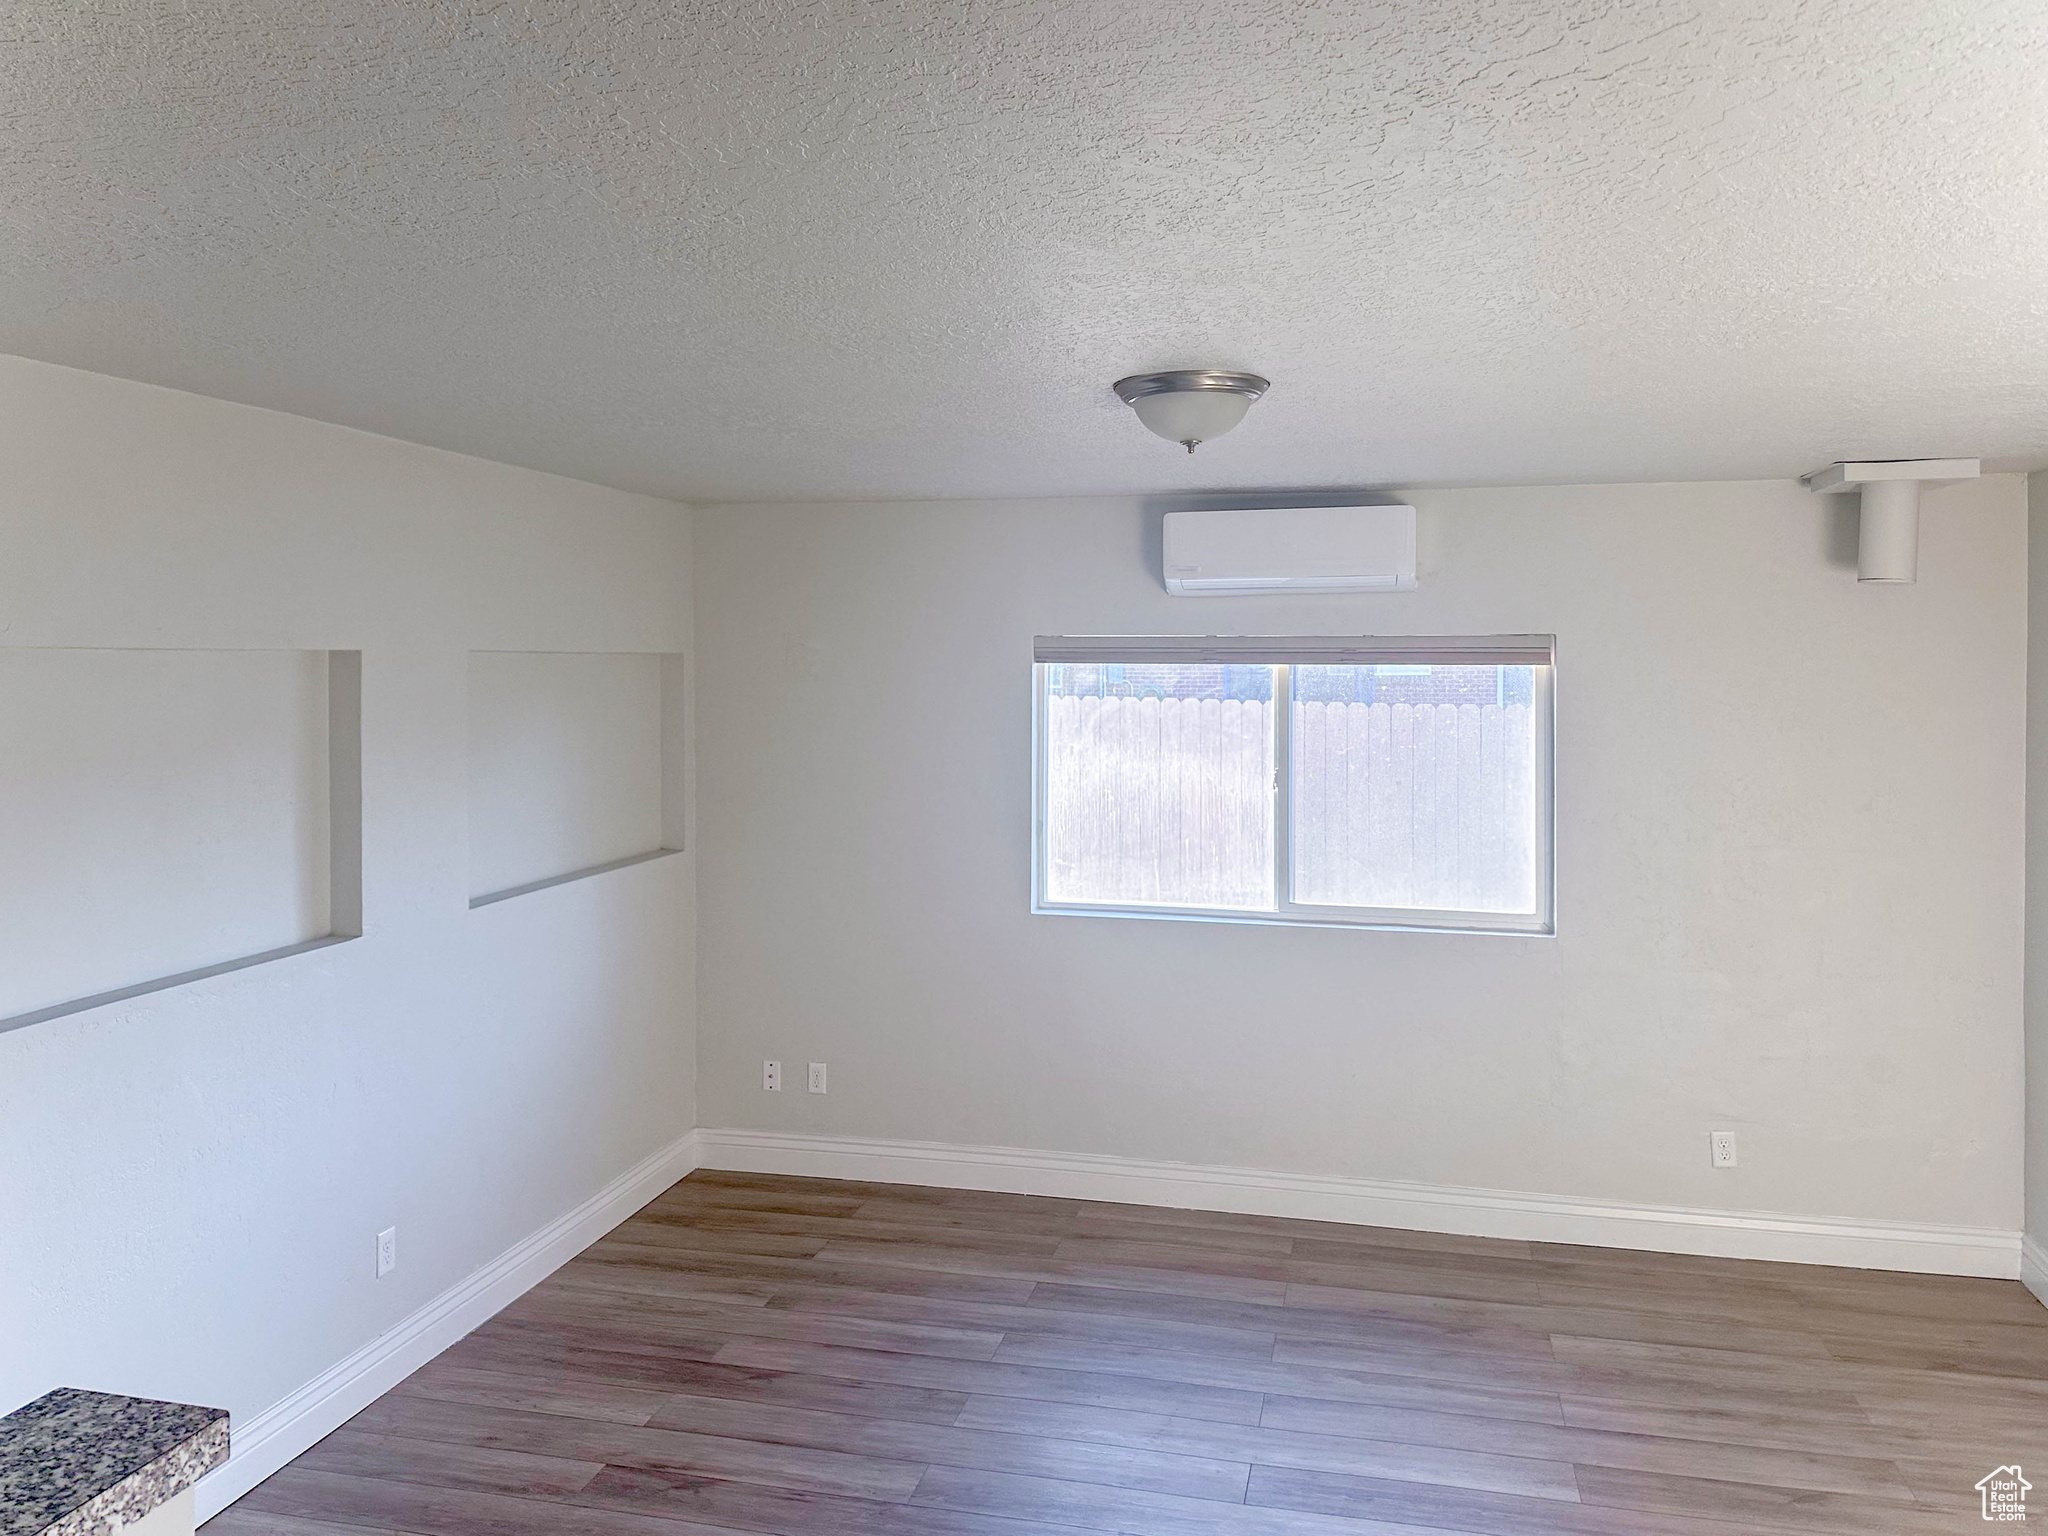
1283	655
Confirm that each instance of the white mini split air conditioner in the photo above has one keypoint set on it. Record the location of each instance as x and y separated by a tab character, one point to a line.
1290	549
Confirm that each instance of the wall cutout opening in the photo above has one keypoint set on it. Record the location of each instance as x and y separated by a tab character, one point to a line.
172	815
575	766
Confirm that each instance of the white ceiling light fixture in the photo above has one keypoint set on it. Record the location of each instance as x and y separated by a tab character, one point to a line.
1190	405
1888	522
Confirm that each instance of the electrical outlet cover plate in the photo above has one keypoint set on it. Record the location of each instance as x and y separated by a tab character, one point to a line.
771	1077
817	1083
387	1251
1723	1145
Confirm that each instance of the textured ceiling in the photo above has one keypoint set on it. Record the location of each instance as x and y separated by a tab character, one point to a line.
794	249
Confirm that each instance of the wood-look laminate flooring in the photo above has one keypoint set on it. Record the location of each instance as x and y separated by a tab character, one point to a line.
809	1357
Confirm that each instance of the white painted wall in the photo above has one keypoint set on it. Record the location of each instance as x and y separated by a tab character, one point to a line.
190	1183
1789	878
163	810
2037	883
565	763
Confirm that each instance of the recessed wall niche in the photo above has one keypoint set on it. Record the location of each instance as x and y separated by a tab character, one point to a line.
575	766
171	815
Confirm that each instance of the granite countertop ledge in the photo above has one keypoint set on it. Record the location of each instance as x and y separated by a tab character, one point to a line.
76	1463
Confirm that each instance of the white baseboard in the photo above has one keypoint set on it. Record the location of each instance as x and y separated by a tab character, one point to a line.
323	1404
2034	1267
1851	1241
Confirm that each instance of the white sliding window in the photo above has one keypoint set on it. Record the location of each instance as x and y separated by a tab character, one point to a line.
1370	782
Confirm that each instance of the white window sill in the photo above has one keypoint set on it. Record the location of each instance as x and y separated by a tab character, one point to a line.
1472	923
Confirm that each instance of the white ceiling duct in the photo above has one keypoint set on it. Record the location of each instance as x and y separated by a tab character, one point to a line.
1888	525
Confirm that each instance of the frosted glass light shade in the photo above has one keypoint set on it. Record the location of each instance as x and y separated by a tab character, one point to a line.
1191	405
1193	415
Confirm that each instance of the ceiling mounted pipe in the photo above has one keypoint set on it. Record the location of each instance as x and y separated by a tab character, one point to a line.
1888	523
1888	531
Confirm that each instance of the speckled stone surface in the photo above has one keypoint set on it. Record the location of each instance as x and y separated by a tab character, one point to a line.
76	1463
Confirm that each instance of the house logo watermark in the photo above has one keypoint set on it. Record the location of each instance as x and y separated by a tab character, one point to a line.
2005	1494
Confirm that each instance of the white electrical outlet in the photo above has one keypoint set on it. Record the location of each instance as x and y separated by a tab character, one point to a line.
1724	1148
771	1077
817	1077
387	1251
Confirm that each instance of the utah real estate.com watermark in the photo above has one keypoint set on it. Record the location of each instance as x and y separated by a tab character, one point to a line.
2005	1493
